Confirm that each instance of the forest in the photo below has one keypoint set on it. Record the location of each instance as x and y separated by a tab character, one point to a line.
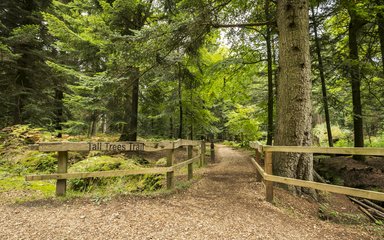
150	93
282	72
186	69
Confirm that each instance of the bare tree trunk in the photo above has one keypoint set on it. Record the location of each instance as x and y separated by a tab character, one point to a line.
59	96
104	123
135	107
171	127
191	117
294	90
129	132
180	135
93	125
380	23
355	25
322	78
22	87
270	79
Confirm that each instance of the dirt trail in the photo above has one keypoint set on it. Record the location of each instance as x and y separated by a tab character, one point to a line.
227	203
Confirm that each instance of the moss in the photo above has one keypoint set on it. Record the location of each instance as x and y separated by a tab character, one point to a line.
99	163
34	161
131	183
103	163
19	183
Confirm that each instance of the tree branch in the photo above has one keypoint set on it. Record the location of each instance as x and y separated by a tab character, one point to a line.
242	25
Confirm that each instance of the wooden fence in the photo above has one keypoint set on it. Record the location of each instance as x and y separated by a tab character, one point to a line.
64	147
269	178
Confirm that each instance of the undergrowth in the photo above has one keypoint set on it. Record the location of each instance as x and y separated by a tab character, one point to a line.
17	161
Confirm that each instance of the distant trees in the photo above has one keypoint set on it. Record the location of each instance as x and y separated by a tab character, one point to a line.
25	79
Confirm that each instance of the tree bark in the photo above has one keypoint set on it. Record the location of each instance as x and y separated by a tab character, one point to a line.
294	91
322	79
22	87
380	23
355	25
171	127
180	135
129	132
270	79
59	96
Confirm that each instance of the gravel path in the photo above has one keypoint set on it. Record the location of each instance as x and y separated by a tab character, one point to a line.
226	203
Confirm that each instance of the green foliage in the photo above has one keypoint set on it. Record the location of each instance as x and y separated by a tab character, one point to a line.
377	141
231	143
242	122
341	137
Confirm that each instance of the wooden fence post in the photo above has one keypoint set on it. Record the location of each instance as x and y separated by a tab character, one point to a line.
268	170
190	166
170	161
212	151
61	184
257	158
202	152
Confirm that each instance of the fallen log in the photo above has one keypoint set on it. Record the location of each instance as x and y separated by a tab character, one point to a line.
366	201
371	212
367	213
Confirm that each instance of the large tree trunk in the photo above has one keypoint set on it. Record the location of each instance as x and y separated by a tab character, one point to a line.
129	132
294	90
355	25
270	79
322	78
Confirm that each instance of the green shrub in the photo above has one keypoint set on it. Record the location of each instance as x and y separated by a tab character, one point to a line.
149	183
377	141
231	143
341	137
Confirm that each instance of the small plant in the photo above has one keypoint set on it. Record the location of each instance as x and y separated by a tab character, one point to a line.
328	214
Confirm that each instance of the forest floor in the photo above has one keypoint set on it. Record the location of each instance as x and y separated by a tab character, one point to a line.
344	170
225	202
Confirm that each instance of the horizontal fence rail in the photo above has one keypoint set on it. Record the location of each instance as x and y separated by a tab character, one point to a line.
64	147
269	178
111	146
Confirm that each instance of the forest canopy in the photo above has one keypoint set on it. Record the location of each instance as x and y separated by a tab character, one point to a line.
192	69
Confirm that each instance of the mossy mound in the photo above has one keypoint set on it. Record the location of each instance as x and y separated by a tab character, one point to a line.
19	135
103	163
34	161
132	183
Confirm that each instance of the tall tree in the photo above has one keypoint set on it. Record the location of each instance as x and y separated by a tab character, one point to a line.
294	90
24	74
355	24
270	72
322	77
380	24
